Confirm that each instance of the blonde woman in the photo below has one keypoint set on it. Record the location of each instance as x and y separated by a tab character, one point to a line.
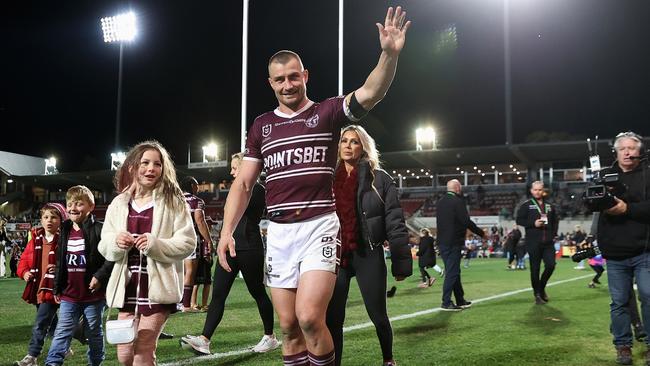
368	208
148	232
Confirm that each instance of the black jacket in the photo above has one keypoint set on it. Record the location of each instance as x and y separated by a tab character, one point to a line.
96	265
381	218
512	240
247	234
527	214
453	221
426	252
625	236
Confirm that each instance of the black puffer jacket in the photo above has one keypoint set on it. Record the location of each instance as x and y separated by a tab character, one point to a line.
381	218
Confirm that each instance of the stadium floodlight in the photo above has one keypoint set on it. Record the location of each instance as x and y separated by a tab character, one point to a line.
50	166
492	167
425	136
9	181
119	28
210	150
117	159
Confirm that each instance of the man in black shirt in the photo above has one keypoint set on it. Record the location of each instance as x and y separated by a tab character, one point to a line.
540	220
453	221
624	240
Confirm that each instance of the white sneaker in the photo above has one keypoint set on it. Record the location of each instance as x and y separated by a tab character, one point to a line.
267	343
27	361
197	345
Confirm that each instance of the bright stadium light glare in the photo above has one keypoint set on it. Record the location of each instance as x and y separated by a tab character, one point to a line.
425	136
210	150
119	28
50	166
117	159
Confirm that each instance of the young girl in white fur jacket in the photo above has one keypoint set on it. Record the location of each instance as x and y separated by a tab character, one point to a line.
147	232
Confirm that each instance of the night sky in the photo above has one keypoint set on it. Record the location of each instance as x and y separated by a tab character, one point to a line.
579	67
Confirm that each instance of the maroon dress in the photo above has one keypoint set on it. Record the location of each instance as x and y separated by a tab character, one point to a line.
139	222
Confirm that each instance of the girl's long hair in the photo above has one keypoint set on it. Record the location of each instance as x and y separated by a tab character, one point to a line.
168	185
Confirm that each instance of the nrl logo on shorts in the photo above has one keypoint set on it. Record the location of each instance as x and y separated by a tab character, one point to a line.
327	252
312	122
266	130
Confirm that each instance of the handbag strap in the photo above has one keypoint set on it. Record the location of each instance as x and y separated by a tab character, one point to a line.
137	291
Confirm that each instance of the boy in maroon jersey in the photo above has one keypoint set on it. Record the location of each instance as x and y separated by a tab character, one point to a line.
296	144
80	278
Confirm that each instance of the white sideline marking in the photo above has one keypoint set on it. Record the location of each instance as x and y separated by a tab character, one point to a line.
368	324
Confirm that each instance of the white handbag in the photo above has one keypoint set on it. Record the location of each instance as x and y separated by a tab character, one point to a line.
125	330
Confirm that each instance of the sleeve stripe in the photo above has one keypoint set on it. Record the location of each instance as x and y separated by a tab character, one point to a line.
252	159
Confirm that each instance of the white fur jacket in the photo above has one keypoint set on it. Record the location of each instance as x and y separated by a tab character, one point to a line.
171	240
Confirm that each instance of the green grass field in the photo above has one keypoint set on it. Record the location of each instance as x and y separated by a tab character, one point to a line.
507	329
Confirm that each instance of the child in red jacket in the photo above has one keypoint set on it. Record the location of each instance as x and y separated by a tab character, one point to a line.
36	267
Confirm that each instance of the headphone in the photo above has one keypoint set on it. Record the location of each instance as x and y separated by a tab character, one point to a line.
630	135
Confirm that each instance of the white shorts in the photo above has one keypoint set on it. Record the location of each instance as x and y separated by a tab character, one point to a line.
295	248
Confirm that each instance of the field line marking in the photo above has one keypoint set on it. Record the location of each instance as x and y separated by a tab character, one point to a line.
243	351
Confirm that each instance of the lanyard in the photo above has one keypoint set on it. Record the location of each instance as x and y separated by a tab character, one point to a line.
537	206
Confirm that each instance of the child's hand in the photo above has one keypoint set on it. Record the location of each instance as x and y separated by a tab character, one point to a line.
94	285
124	240
51	268
57	299
28	276
141	242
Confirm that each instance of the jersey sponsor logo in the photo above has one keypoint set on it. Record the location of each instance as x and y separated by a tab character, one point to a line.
266	130
312	121
76	260
299	155
289	122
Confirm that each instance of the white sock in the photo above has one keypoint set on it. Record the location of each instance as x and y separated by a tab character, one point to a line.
437	268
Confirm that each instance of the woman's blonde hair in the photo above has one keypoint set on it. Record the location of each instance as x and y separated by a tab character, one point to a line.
369	154
168	185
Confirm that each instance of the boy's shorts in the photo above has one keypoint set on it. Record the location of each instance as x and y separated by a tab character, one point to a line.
295	248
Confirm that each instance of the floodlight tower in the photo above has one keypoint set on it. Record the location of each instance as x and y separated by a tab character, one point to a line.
120	28
425	136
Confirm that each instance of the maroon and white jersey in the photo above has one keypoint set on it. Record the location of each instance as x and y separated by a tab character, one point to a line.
194	202
299	155
77	289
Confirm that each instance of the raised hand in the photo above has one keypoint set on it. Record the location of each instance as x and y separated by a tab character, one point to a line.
392	34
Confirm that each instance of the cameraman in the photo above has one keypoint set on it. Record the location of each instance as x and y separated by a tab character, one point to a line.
623	238
541	221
